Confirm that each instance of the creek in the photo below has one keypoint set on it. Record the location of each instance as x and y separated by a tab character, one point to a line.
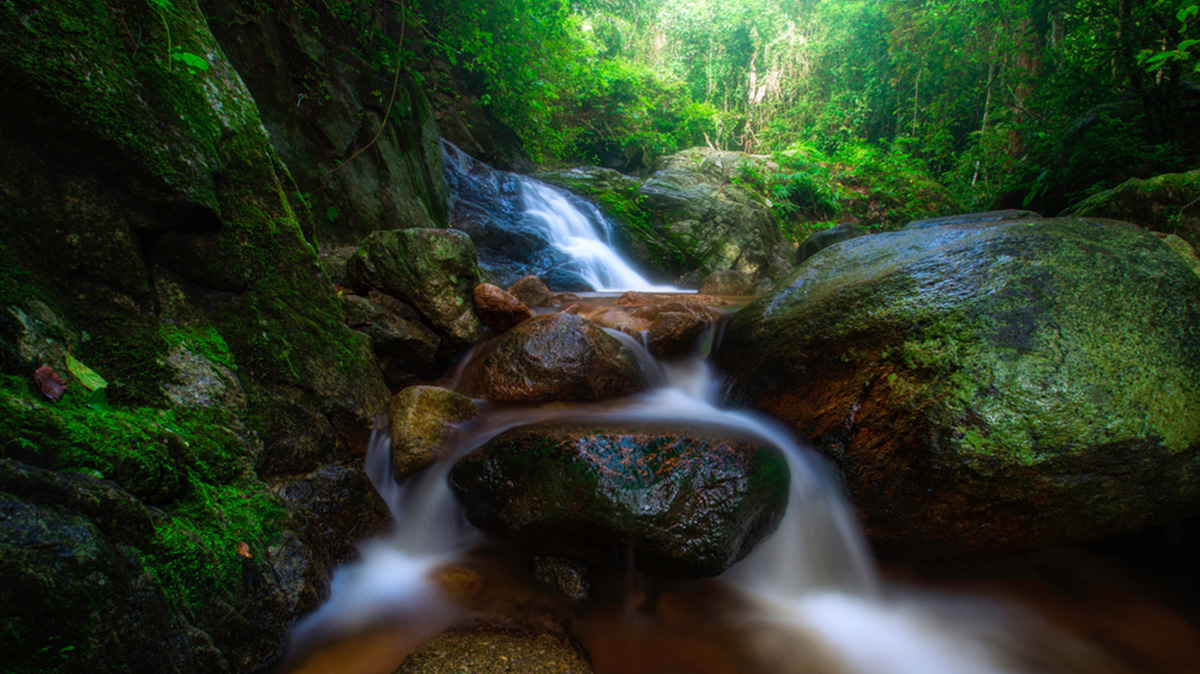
810	599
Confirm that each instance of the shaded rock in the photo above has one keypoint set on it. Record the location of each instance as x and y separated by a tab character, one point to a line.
674	333
727	282
685	501
554	357
984	218
825	238
566	297
406	349
1169	203
565	280
534	293
497	309
566	576
33	335
500	645
281	49
421	418
986	390
432	270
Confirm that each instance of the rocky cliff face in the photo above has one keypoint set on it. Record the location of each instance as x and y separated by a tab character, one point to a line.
204	481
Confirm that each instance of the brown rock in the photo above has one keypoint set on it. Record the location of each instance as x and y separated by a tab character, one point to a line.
636	299
554	357
616	318
728	282
674	333
533	292
497	309
500	645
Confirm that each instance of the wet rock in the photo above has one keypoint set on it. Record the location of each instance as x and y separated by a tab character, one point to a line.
674	333
534	293
68	584
685	501
497	309
33	335
1183	248
987	389
565	280
567	577
727	282
421	418
500	645
406	349
617	318
826	238
554	357
633	298
432	270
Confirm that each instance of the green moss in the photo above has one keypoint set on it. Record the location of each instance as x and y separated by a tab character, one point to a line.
189	464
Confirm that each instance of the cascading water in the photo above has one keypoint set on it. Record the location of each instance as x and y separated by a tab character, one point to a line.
812	579
523	226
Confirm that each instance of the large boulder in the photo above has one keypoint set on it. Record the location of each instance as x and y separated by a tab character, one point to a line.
684	501
433	270
554	357
987	389
1168	203
498	309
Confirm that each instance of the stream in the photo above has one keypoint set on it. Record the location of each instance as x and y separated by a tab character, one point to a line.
809	599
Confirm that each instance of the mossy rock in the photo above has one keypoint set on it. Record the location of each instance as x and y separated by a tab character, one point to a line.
988	389
433	270
420	419
1169	203
684	501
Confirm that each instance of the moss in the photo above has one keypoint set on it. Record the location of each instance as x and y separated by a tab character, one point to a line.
189	464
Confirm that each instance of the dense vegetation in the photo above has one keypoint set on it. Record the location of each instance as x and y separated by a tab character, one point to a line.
1031	102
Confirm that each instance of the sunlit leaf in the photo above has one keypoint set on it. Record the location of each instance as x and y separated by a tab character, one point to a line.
86	375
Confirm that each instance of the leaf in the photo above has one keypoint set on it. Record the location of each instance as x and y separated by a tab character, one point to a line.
51	385
98	400
86	375
1188	44
243	549
332	213
1187	13
164	5
193	61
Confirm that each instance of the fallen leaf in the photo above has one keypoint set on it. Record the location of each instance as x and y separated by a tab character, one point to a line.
51	385
86	375
243	549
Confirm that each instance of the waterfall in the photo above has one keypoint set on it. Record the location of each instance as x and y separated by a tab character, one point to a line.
523	226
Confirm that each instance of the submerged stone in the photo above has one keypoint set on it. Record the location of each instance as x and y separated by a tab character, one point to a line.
991	387
683	501
501	645
554	357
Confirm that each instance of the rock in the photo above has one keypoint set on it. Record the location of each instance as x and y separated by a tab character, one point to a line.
986	219
727	282
398	183
685	501
635	299
433	270
500	645
534	293
33	335
406	349
554	357
565	576
421	418
674	333
988	389
616	318
497	309
565	280
825	238
1168	203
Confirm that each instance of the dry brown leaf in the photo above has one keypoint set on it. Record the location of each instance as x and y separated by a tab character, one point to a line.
51	385
243	549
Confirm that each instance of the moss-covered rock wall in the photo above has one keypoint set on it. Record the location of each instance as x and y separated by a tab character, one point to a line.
147	231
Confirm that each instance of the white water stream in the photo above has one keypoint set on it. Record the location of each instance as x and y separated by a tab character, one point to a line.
573	231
